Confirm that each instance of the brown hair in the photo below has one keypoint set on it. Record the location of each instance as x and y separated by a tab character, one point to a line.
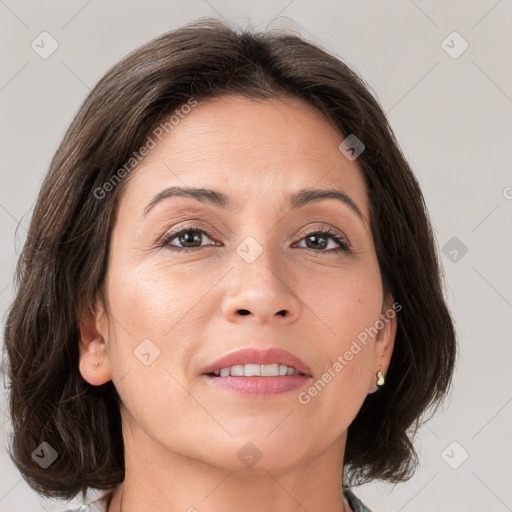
63	261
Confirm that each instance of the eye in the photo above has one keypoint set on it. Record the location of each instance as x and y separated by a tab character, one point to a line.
191	238
324	240
188	238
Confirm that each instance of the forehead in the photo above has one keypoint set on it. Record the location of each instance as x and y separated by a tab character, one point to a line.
248	148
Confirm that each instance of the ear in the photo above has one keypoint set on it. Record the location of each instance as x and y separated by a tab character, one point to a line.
384	342
93	326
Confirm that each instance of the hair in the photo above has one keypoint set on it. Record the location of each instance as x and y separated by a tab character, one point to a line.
63	263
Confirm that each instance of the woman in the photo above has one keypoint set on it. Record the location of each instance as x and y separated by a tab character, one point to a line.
230	296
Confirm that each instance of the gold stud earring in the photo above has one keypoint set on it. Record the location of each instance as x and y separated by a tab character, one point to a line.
96	364
380	378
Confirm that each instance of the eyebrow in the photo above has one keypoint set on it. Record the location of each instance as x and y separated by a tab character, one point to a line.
295	200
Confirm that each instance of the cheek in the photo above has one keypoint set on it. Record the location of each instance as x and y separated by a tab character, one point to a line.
346	302
348	308
156	299
153	333
344	352
158	314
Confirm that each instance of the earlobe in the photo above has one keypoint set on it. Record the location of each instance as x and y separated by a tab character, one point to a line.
378	381
384	343
94	363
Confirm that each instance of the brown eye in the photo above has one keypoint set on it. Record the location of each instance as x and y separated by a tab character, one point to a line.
323	241
188	238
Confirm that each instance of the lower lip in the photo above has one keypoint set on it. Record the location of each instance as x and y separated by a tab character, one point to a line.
259	386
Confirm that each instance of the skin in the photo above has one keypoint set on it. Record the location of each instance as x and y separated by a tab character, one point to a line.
181	434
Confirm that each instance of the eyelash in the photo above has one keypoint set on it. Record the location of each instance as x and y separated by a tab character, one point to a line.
343	245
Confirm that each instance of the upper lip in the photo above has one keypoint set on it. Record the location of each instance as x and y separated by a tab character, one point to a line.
255	356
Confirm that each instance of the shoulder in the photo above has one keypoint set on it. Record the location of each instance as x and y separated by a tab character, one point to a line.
355	503
99	505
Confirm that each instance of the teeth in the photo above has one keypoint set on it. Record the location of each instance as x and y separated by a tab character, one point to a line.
257	370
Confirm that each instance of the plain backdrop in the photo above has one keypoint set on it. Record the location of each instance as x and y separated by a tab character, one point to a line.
441	71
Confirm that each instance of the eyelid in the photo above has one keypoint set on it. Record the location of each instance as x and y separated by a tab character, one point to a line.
322	228
175	231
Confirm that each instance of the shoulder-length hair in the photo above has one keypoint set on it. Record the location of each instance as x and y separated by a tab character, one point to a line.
64	259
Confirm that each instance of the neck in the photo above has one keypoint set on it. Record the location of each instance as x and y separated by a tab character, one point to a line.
158	479
115	503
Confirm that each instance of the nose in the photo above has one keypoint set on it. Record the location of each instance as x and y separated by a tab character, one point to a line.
261	292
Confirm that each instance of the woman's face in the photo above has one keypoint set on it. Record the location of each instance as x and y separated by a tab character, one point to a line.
257	274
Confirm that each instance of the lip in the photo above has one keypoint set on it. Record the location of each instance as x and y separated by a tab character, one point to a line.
256	356
259	387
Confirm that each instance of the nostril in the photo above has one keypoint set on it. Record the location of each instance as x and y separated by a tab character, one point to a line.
282	312
244	312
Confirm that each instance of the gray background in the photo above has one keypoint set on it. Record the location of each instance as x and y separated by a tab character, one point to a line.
452	118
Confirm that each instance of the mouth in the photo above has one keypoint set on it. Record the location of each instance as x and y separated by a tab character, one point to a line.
256	370
250	362
258	373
